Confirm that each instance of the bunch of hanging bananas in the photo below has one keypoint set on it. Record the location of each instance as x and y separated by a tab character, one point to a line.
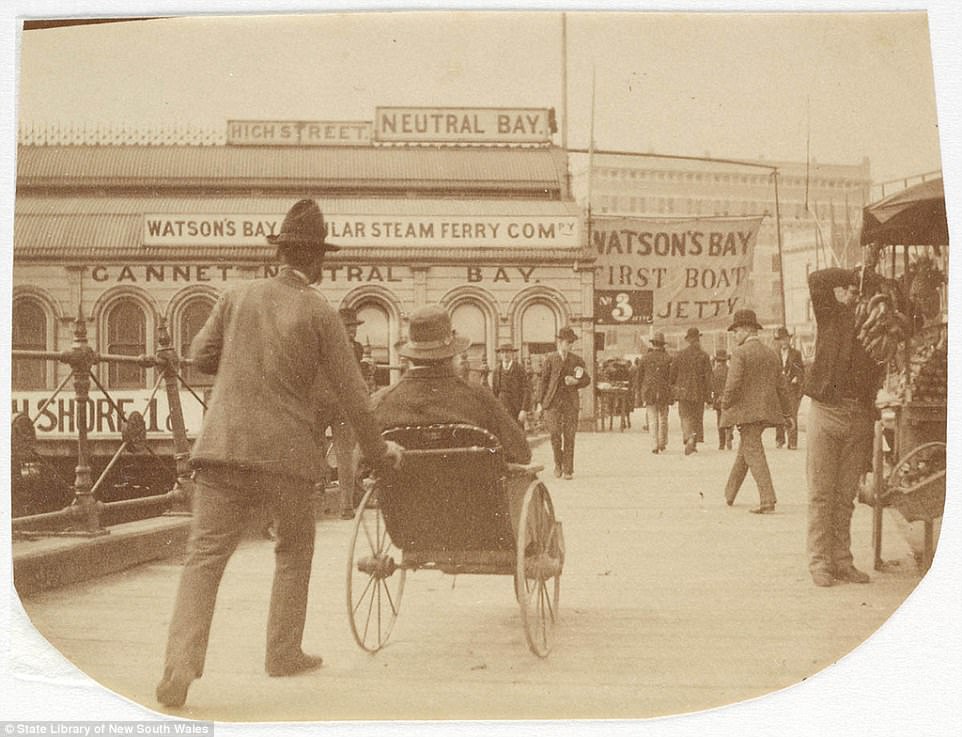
881	326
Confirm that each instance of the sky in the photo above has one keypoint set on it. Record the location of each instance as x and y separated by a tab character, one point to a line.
733	87
729	85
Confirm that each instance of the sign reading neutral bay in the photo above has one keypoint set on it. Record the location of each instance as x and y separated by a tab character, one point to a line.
462	125
682	272
368	230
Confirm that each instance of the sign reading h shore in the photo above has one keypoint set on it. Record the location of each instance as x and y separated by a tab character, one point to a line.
461	125
681	272
367	230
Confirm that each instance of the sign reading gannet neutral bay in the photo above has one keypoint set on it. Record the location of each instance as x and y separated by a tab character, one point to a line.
367	230
680	272
461	125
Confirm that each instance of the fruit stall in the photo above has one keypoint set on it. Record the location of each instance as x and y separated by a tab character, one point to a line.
902	318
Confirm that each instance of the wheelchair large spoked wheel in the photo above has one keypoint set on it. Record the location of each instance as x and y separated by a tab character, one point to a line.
375	582
540	558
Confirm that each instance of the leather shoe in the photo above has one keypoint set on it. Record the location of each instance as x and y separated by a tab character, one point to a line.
729	502
763	509
689	447
299	664
557	472
852	575
172	689
569	476
822	578
656	451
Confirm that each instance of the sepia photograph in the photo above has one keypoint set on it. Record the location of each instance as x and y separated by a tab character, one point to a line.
574	368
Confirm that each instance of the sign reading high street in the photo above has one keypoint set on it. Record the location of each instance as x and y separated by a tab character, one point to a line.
367	230
299	133
461	125
684	272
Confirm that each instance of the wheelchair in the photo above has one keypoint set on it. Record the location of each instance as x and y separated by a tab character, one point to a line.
447	508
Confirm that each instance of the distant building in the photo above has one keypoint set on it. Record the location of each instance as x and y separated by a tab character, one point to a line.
671	187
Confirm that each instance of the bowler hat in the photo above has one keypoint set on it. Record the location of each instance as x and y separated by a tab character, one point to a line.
721	355
303	226
431	336
744	319
349	316
568	334
781	332
658	339
692	334
507	348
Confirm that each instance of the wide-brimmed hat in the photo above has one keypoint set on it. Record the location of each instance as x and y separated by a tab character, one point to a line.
721	355
782	333
692	334
658	339
745	319
431	335
303	226
507	348
349	316
568	334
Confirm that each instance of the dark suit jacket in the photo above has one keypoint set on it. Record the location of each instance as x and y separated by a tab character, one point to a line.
553	392
755	390
267	340
653	374
428	395
793	369
512	387
691	375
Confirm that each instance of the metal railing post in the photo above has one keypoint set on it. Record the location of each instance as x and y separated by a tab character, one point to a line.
169	361
81	359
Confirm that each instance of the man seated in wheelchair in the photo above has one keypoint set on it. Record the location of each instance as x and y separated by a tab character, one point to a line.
431	392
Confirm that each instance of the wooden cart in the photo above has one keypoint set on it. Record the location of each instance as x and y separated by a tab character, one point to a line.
450	507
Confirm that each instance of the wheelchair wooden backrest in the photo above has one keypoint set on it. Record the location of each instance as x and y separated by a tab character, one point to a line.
449	493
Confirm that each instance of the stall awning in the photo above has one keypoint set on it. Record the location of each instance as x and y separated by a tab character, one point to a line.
913	217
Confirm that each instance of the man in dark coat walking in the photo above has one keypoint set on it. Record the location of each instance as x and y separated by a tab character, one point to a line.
719	376
562	375
509	382
691	387
754	398
349	488
793	369
266	341
654	391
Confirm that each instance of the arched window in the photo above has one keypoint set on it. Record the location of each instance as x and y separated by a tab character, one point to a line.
29	334
539	328
467	319
126	330
376	333
192	318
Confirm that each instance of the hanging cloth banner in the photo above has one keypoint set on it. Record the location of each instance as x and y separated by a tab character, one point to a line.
670	272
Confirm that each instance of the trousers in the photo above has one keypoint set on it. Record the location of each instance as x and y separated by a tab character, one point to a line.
345	444
724	433
750	456
561	421
657	415
692	415
795	396
839	438
223	500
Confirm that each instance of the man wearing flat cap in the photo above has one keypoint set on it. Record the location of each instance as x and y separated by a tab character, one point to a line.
266	341
509	382
562	375
431	392
754	398
793	368
691	386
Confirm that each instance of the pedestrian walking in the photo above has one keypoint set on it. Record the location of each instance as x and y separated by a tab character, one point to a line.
719	375
793	369
509	382
265	340
691	387
345	442
654	389
754	398
842	385
562	375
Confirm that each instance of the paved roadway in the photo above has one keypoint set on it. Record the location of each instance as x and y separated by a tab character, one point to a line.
671	602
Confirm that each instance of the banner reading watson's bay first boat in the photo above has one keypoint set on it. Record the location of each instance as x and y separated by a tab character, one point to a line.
672	272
